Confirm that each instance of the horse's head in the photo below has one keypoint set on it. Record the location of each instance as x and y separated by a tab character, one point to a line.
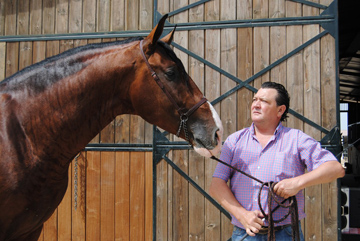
177	104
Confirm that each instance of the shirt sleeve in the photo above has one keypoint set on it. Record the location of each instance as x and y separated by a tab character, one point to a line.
222	171
311	152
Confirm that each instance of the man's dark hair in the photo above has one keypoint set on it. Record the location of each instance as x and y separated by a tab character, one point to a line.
282	97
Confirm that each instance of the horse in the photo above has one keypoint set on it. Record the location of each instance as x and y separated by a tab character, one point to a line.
51	110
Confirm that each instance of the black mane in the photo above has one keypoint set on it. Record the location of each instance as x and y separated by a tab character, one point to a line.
67	53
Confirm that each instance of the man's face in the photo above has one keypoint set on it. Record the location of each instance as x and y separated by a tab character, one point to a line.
264	107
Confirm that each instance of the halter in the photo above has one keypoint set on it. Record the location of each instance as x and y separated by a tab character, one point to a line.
184	116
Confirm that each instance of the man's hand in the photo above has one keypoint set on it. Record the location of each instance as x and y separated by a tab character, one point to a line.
287	188
252	221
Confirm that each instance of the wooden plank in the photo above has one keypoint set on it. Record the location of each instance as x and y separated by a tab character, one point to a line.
25	58
132	15
137	196
212	12
48	16
294	66
50	229
212	90
261	54
93	193
260	9
23	18
10	17
148	196
12	58
196	199
245	71
36	8
277	8
278	50
122	196
2	17
75	16
161	201
118	15
107	200
64	213
62	16
180	203
146	14
89	16
2	60
103	15
261	42
38	51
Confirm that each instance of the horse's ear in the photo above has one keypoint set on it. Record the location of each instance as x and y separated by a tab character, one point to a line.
151	40
169	38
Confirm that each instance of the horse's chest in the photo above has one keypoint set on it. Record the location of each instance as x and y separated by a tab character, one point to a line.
30	200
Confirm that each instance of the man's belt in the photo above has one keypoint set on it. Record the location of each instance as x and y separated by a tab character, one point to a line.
265	229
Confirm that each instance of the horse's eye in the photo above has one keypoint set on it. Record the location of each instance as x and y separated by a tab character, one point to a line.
170	74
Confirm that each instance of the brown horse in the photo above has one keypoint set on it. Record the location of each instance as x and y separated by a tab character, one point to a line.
51	110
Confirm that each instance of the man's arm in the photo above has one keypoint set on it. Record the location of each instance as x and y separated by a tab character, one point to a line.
326	172
251	220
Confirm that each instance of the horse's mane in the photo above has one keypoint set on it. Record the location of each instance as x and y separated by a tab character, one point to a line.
68	53
39	81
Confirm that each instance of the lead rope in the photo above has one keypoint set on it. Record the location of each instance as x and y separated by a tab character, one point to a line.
293	207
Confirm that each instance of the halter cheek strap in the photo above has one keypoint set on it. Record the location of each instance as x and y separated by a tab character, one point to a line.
184	116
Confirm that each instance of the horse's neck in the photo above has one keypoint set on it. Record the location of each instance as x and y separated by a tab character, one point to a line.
64	118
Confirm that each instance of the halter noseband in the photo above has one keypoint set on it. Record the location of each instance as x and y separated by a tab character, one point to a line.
184	116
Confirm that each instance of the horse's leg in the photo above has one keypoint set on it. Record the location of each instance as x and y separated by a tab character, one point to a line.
34	236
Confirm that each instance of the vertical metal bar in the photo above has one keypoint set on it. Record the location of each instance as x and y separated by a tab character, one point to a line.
338	183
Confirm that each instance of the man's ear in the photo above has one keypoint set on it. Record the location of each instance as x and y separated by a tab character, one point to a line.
150	41
281	110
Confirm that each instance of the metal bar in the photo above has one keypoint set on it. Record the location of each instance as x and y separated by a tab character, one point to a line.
268	21
112	149
196	186
312	4
187	7
180	27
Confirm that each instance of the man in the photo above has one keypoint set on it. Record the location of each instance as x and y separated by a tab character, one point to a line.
270	152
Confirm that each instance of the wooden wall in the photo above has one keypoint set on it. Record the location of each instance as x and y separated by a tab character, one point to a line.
114	200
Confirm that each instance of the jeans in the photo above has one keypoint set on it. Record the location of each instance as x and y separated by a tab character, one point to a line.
281	235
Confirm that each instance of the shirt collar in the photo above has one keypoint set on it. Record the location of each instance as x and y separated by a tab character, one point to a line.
278	129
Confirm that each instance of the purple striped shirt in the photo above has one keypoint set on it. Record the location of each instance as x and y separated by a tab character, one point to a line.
288	153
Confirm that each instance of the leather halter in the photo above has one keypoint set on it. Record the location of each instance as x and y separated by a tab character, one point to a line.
184	116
